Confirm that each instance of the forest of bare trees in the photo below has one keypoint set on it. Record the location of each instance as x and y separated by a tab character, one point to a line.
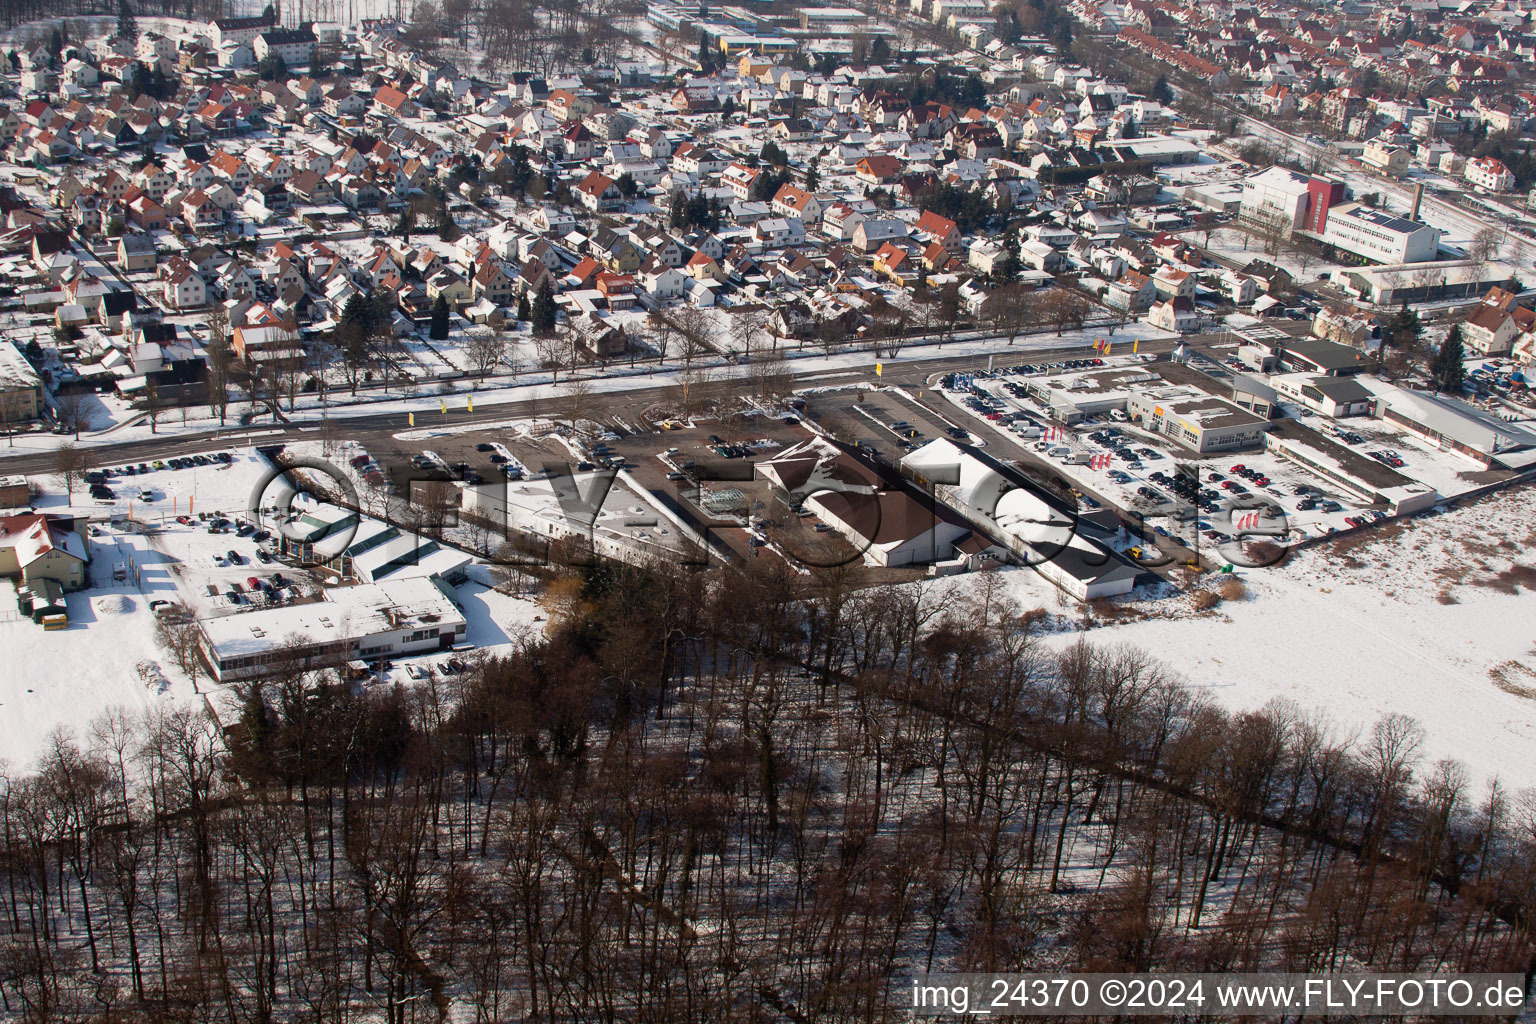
731	796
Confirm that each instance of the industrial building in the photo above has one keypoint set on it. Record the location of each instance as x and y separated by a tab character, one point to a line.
606	511
366	622
1038	528
1072	397
1186	414
1401	283
1456	426
1336	397
342	544
887	522
1283	353
832	21
1380	236
1196	420
1276	196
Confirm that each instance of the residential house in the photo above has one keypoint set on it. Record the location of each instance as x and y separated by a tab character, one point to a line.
1489	331
933	227
870	235
38	547
791	201
1174	314
1132	291
597	192
878	169
135	252
182	287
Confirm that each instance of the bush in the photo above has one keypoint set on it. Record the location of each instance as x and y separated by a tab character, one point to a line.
1205	600
1267	553
1035	618
1234	589
1446	597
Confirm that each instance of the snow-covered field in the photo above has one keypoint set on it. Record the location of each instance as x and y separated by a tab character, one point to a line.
1431	618
69	678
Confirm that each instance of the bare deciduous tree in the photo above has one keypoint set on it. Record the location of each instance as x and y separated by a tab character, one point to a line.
486	348
70	463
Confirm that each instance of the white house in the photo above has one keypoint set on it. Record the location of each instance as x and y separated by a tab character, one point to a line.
1177	314
1490	173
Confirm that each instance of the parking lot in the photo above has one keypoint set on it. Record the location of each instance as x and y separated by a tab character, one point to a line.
190	541
1183	499
668	462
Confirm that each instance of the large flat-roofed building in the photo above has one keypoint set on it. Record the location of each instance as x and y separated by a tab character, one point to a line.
1400	283
368	621
604	510
1217	196
1456	426
1276	196
1038	527
1076	396
1380	236
342	544
1198	421
832	20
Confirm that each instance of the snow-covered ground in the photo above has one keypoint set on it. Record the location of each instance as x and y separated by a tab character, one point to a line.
1238	245
108	657
68	678
1430	618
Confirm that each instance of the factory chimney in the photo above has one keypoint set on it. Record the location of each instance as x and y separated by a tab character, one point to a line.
1418	197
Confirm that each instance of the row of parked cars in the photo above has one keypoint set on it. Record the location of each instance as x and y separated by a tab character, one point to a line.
423	670
717	444
97	479
509	469
1062	364
1370	515
1113	439
369	470
257	590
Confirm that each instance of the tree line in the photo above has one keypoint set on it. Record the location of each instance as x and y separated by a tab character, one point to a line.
731	796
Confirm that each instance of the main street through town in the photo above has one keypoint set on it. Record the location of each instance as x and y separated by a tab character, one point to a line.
367	426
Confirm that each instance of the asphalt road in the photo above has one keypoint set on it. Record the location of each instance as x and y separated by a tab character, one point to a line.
370	428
